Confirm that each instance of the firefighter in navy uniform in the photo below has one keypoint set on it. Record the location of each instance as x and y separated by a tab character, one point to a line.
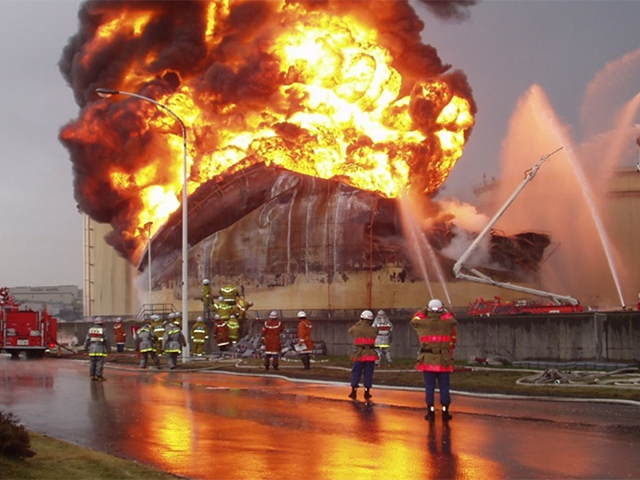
436	329
97	344
384	338
364	354
271	331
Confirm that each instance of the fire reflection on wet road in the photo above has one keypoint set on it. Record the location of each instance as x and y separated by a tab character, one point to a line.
219	426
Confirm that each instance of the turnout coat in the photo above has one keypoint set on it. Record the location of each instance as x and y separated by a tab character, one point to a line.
437	334
364	339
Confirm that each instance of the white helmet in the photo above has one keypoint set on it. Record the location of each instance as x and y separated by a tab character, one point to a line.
367	315
301	314
199	319
171	315
155	317
273	314
435	305
205	281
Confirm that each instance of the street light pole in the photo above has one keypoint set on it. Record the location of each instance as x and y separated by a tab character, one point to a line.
108	92
148	227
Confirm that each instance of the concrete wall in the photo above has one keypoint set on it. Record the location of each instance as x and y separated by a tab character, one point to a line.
604	336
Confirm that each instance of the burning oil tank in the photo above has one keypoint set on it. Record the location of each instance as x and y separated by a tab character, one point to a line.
294	241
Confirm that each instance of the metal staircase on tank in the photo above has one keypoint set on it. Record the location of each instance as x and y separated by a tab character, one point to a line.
148	309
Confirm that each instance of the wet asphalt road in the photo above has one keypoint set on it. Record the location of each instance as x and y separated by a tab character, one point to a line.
205	425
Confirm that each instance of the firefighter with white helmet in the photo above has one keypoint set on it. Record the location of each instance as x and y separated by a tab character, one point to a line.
305	344
207	298
364	354
199	335
146	341
120	334
436	330
271	331
97	344
173	342
384	338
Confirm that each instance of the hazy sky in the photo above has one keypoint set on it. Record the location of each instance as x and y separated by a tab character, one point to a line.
504	47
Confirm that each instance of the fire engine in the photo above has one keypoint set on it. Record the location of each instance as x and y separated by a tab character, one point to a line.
28	331
521	306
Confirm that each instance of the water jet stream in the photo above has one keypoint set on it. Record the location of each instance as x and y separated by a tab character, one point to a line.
588	195
419	244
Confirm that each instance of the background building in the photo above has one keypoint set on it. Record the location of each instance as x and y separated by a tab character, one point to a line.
63	302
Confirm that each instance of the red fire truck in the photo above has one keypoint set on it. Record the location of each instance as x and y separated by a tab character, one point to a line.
521	306
27	331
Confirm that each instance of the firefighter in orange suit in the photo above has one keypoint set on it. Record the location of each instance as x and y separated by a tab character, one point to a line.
199	335
221	333
305	344
364	354
271	331
436	329
97	344
120	335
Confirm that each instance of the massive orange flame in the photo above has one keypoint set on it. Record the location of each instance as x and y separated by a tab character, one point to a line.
319	88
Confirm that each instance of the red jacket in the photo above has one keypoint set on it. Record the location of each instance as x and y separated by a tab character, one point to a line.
271	331
304	334
119	332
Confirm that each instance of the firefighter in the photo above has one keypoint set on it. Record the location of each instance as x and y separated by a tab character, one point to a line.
120	334
384	338
271	331
97	344
436	329
177	318
173	342
207	298
234	328
364	354
199	335
146	341
305	344
221	333
157	326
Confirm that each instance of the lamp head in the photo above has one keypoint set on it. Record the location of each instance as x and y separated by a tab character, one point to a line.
106	92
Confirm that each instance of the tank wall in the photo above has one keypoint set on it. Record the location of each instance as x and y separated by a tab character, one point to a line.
606	337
